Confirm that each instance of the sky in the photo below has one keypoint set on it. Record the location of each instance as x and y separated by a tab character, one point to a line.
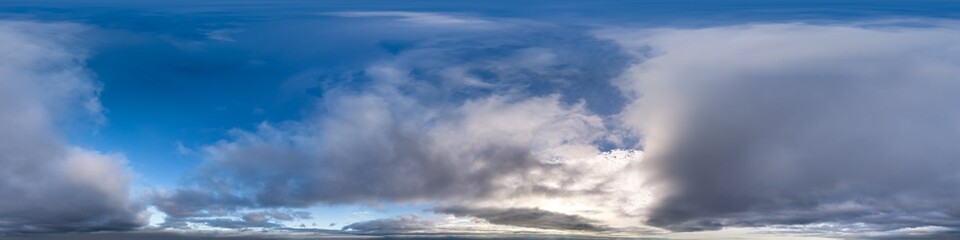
295	119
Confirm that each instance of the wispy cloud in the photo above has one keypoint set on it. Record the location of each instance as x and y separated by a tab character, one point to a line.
422	18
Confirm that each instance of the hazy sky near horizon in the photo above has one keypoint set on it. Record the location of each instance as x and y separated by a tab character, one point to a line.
649	119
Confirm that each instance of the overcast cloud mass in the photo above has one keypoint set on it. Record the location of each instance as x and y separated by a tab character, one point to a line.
686	120
837	124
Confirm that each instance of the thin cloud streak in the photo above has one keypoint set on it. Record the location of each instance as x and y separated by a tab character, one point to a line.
422	18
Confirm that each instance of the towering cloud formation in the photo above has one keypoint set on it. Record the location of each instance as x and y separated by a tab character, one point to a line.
793	124
46	184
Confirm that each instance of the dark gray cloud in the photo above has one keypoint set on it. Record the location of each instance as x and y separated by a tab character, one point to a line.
48	185
249	220
527	217
130	236
796	124
195	202
399	224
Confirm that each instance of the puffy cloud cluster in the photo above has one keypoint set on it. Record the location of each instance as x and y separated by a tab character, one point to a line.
46	184
381	146
792	124
456	124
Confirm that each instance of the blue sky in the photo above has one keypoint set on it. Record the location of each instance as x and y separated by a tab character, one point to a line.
194	87
666	119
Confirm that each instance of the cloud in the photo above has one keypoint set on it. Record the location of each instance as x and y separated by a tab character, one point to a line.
372	146
250	235
791	124
421	18
442	123
846	124
223	35
249	220
47	184
238	224
230	219
399	224
186	203
181	149
527	217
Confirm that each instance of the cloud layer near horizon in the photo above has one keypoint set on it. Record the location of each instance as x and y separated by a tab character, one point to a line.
47	184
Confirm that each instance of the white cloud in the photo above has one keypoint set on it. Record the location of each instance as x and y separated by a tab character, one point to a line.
43	84
181	149
768	124
421	18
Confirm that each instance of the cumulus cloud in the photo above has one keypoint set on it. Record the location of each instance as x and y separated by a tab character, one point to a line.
418	129
787	124
47	184
391	149
527	217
